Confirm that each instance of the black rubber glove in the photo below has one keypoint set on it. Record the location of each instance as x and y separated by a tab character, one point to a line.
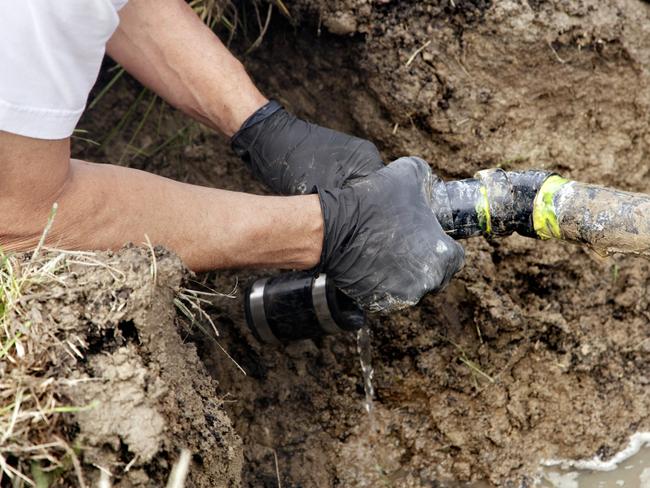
383	244
292	156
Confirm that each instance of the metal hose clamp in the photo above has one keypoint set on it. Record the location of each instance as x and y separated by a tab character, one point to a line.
258	315
321	306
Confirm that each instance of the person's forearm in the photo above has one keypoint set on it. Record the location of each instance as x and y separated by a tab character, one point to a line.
167	48
102	206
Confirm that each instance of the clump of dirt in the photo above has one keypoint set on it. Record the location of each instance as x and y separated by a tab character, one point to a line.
139	393
538	349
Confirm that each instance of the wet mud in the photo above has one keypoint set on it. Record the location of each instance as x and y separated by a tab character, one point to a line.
537	350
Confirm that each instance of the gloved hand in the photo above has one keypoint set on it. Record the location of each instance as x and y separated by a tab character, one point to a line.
383	245
292	156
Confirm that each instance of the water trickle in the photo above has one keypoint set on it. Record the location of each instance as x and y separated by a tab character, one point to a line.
364	349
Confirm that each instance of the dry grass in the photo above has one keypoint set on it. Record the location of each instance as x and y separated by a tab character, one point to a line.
237	18
37	355
191	303
33	449
248	21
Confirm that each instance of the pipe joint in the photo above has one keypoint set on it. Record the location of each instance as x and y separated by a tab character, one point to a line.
493	203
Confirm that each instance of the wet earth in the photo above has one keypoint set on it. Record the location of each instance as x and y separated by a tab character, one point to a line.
538	350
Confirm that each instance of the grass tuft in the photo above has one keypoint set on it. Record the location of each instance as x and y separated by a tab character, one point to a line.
192	304
31	406
33	451
38	355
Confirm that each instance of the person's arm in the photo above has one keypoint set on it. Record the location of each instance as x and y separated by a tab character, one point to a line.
102	206
167	48
377	236
378	239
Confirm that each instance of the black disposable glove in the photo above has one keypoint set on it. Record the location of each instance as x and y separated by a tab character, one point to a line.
383	245
292	156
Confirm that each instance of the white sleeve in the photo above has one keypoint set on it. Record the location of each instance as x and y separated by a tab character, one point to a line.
50	55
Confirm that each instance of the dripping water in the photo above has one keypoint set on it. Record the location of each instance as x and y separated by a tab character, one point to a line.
365	357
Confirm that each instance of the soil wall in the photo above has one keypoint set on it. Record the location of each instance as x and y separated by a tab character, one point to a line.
538	349
139	394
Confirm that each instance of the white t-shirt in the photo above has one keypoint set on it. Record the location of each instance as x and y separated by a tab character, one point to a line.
50	55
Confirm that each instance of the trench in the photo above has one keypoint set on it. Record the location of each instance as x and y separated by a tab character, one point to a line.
536	351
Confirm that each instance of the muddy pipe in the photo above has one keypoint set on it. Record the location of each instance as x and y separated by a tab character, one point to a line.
494	203
545	206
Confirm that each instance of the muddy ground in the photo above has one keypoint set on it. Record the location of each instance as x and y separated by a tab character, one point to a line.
557	337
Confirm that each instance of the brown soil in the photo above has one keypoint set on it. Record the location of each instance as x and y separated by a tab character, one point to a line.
563	334
148	393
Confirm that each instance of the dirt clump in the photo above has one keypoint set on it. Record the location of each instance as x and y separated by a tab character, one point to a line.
137	393
128	407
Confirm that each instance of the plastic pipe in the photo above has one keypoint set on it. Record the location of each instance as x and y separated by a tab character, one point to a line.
495	203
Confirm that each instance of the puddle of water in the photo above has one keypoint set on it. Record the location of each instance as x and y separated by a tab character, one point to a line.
364	349
633	472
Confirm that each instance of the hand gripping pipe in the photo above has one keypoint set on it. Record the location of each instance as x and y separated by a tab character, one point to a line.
494	203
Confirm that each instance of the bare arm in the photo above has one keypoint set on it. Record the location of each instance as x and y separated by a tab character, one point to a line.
104	207
167	48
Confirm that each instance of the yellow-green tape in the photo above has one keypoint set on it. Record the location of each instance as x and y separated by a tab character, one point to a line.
483	212
544	216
